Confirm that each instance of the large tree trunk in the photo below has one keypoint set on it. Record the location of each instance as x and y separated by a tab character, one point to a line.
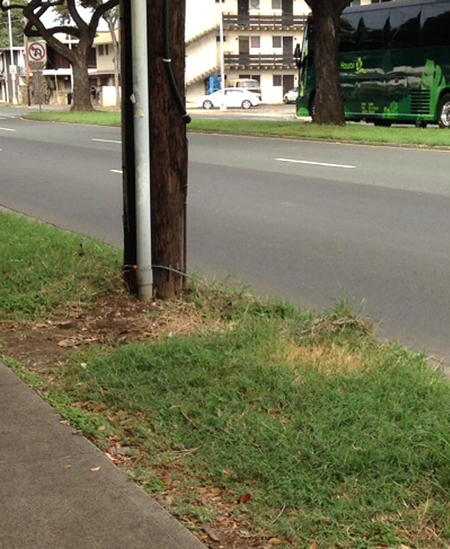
81	100
328	102
168	152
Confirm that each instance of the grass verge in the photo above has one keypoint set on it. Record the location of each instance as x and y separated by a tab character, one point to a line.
42	268
256	423
358	133
98	118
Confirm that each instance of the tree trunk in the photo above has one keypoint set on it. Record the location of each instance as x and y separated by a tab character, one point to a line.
328	101
168	152
81	100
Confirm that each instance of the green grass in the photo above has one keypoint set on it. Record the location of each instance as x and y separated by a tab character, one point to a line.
102	118
42	268
349	449
337	437
359	133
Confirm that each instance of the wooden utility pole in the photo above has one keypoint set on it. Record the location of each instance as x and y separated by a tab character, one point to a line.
168	146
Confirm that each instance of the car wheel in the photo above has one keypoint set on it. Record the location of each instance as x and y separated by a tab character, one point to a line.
246	104
444	112
207	105
286	100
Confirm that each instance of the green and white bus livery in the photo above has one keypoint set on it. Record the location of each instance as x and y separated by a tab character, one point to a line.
394	63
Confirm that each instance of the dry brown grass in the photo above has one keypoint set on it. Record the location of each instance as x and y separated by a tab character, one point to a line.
328	358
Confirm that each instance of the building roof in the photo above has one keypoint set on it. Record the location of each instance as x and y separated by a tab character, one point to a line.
104	37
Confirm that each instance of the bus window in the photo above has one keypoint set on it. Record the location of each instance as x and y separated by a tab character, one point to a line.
349	32
436	24
372	30
405	28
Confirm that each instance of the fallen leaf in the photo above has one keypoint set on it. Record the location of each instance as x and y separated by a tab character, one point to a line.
95	469
245	498
66	324
276	541
211	533
401	546
66	343
314	545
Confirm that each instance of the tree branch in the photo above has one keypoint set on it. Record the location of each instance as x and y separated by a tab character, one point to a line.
98	14
79	21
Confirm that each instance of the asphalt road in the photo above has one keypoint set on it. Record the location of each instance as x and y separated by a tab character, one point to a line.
315	223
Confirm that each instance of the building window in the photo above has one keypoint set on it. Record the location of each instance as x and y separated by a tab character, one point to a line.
218	38
276	42
277	80
103	49
256	77
244	76
255	42
276	4
254	4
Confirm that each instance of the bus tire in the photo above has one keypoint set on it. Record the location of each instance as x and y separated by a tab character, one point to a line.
444	111
420	124
382	122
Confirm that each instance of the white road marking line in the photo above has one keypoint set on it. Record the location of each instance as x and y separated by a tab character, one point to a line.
106	140
116	171
7	129
326	164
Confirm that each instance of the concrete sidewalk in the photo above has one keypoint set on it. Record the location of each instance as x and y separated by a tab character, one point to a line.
50	498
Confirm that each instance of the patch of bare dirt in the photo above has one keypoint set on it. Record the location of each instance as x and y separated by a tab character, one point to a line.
114	320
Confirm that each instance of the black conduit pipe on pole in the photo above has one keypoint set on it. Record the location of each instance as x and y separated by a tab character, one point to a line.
168	63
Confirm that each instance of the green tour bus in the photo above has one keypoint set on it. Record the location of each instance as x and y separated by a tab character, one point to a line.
394	63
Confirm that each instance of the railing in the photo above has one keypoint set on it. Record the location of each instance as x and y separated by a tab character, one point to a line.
262	22
269	61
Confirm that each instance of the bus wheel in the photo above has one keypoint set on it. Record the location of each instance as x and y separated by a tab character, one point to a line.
444	112
381	122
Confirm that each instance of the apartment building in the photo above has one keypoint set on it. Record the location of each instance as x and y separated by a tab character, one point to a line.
8	80
259	39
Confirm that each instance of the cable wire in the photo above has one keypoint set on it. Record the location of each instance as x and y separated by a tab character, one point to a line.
167	60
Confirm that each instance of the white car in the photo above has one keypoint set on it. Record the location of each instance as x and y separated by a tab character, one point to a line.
291	96
234	97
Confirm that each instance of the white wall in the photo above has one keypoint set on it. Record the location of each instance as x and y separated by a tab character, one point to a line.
105	63
201	56
200	16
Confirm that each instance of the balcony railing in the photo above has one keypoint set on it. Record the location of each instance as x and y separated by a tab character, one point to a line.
264	22
259	61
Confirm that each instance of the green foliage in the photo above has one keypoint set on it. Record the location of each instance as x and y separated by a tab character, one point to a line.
42	268
17	28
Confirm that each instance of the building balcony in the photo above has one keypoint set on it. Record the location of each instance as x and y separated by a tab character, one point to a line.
264	22
262	61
